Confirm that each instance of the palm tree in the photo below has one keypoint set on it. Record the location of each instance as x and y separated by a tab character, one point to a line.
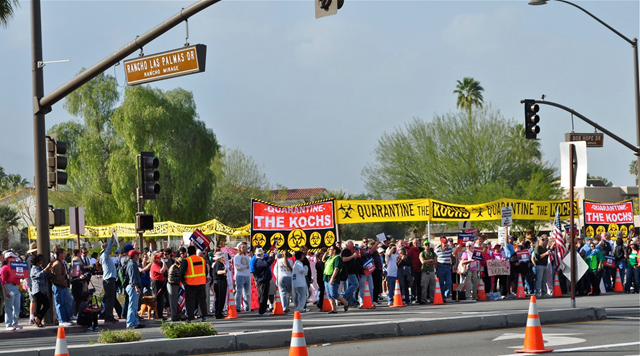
469	93
6	11
8	220
12	183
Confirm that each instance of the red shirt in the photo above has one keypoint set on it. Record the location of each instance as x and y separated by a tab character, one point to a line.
156	275
6	276
414	253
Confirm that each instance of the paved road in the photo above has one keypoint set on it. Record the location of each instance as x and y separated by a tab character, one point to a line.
620	339
618	305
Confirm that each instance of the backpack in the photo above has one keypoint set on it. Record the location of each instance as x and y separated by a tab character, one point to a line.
123	276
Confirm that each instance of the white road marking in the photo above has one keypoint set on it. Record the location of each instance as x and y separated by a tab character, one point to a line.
606	346
550	340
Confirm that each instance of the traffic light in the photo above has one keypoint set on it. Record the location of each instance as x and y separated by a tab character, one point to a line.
327	7
56	217
531	119
56	162
144	222
149	175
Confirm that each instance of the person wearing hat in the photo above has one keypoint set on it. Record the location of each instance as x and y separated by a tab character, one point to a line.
262	275
193	274
59	271
11	288
159	282
32	251
173	288
219	272
124	259
109	278
428	260
133	290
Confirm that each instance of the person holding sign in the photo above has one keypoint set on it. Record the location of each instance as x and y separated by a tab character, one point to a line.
500	280
541	259
40	288
594	259
10	286
470	281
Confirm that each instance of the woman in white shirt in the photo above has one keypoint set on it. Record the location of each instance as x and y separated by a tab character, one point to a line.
284	273
392	270
299	282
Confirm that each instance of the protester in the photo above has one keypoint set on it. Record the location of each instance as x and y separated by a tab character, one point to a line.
540	260
243	278
349	256
193	275
620	255
416	269
11	287
299	282
133	289
332	267
392	270
109	278
32	251
428	260
60	280
262	275
594	259
500	280
219	272
633	270
405	274
88	314
40	288
319	273
158	283
173	288
470	277
443	268
283	271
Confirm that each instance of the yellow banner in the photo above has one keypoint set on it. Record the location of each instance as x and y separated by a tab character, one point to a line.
161	229
372	211
522	210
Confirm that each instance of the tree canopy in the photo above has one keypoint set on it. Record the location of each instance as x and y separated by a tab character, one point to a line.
7	10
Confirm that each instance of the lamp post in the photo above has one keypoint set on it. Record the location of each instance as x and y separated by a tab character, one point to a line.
634	44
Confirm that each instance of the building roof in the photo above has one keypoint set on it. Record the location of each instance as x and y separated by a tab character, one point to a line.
296	194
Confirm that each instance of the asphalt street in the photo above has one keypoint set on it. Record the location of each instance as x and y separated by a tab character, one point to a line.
618	306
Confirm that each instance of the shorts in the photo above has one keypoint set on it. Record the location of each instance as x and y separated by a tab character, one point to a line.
332	290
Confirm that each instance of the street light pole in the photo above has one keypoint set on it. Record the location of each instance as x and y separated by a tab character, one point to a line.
634	44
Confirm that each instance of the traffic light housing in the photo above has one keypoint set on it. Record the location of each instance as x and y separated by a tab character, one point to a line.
149	176
56	217
55	162
531	119
144	222
327	7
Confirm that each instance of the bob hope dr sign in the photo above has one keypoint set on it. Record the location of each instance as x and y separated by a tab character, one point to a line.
174	63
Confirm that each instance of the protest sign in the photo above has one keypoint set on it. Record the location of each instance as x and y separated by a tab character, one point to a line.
477	254
523	256
201	240
609	261
498	268
464	237
608	217
381	237
19	269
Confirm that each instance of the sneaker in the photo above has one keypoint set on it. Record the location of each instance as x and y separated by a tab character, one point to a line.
265	314
96	329
90	328
32	322
10	327
73	317
18	327
66	323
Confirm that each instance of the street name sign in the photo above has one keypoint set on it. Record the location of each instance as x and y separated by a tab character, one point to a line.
174	63
593	139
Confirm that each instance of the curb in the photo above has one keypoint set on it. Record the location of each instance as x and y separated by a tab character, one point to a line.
318	335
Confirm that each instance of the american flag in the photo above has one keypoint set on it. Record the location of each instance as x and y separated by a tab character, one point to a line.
556	235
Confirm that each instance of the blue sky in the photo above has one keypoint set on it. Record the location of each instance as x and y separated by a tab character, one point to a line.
308	99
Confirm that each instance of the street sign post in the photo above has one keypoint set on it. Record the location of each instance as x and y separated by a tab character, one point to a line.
174	63
592	139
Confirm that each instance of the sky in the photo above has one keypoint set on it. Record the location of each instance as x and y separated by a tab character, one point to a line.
309	98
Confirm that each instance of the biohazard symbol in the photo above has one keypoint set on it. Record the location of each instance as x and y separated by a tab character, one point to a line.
315	239
297	239
589	231
277	240
329	238
624	231
600	230
346	211
258	240
613	229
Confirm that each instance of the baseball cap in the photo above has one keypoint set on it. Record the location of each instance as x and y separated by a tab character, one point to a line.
127	248
133	253
9	254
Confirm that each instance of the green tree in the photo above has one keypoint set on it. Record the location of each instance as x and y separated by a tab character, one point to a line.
102	152
239	178
8	220
633	169
604	180
430	160
7	8
469	93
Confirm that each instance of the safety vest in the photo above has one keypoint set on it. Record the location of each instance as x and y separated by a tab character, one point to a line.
196	274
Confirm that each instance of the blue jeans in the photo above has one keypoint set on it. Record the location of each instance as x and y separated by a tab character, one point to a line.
606	277
392	287
364	279
243	288
444	278
12	306
622	267
352	285
633	277
541	279
62	298
132	307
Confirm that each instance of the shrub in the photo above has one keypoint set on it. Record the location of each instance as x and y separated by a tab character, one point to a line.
178	330
116	336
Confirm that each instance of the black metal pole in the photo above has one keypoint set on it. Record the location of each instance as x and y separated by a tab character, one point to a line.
637	92
572	156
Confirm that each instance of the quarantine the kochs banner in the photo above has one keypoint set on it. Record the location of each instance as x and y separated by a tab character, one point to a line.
608	217
288	228
522	210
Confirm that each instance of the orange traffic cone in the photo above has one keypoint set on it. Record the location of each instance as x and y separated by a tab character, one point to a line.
232	312
397	297
277	307
481	294
437	298
366	299
61	344
533	341
557	291
298	343
618	286
326	304
520	290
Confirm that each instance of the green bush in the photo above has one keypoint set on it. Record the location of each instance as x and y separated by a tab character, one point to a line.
178	330
116	336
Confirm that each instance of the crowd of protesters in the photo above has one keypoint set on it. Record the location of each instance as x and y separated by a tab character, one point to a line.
184	283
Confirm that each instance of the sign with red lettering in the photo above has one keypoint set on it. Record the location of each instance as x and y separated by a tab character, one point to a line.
201	240
608	217
291	227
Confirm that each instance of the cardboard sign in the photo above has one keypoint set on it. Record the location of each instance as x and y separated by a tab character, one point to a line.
369	266
477	254
464	237
381	237
182	306
201	240
609	261
498	268
19	269
523	256
76	271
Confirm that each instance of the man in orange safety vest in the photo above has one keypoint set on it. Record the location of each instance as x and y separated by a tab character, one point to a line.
193	274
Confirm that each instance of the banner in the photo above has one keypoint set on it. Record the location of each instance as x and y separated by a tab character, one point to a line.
161	229
464	237
372	211
287	228
608	217
522	210
498	268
